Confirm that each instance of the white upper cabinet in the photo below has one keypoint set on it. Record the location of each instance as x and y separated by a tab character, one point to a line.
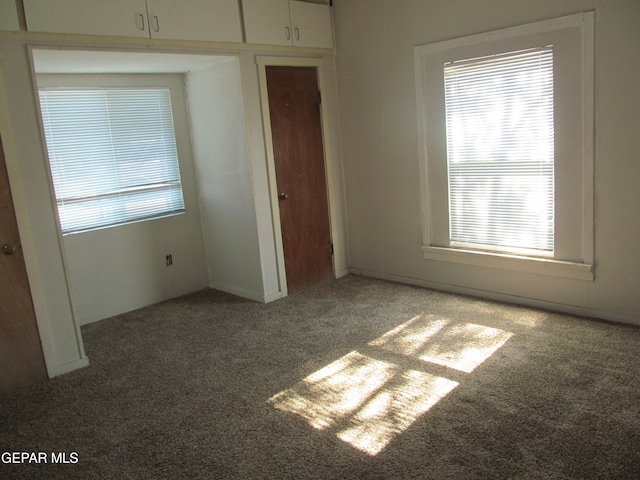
285	22
8	15
92	17
213	20
267	21
209	20
311	24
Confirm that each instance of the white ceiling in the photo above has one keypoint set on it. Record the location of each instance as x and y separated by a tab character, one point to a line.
92	61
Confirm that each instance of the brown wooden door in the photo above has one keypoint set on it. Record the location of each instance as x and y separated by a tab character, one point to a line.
21	359
299	161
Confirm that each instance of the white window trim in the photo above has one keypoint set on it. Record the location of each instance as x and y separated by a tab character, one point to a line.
582	268
503	261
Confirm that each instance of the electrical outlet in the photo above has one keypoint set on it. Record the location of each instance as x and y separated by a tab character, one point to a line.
169	259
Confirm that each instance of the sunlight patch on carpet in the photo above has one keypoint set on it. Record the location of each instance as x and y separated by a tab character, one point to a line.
461	346
410	337
394	409
336	390
465	346
369	401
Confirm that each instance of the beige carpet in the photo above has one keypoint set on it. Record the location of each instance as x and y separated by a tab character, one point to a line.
354	379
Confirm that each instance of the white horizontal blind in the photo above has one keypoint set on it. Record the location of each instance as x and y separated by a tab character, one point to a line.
500	151
112	154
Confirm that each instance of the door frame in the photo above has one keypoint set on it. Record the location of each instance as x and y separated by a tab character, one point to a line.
332	164
60	337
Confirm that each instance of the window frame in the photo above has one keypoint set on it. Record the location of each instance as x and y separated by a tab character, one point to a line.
172	82
574	113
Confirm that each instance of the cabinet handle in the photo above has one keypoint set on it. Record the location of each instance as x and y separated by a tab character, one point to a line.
141	22
157	28
297	30
288	29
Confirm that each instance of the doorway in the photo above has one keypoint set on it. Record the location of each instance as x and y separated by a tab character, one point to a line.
21	354
298	149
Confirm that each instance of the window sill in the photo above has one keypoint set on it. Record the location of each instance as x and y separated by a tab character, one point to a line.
540	266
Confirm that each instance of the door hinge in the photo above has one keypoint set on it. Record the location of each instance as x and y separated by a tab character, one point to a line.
330	249
318	98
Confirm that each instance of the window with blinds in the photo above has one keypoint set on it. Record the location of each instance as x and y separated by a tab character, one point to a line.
500	151
112	154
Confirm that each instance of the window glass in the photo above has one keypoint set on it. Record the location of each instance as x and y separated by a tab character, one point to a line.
500	151
112	154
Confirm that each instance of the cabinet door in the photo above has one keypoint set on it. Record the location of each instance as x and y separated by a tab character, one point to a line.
90	17
213	20
8	15
267	22
311	24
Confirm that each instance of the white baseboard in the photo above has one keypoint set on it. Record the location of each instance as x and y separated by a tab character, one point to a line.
57	370
343	273
267	298
255	296
514	299
272	297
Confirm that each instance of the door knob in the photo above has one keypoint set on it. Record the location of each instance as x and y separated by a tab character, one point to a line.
8	249
283	196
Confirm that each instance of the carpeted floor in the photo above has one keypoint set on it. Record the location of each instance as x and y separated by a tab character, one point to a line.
353	379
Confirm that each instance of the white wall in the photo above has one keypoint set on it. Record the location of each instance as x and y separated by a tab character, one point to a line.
374	42
224	179
119	269
8	15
